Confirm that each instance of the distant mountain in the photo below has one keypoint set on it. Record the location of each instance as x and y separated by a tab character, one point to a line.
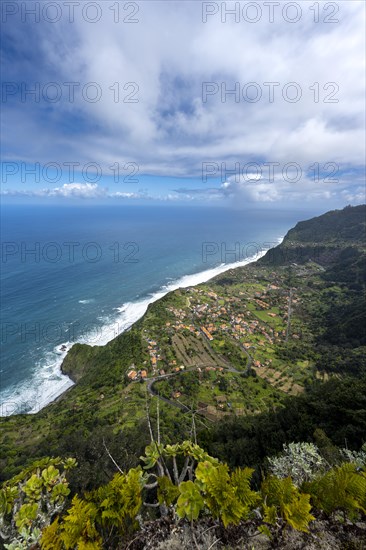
337	241
335	226
337	237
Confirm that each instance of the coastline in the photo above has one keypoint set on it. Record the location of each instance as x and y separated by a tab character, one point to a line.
128	314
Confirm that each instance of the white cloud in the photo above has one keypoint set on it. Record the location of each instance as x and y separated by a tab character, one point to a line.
283	191
78	190
169	54
68	190
130	195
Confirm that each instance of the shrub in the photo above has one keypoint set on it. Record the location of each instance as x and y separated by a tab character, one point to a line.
30	501
301	461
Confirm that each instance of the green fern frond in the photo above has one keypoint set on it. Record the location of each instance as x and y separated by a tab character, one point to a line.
342	488
50	539
240	479
291	505
297	513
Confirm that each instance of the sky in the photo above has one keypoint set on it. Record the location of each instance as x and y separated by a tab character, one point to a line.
223	103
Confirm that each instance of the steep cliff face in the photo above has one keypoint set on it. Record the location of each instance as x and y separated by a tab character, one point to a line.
335	237
336	226
76	362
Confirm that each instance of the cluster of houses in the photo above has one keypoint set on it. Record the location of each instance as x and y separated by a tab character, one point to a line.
153	350
261	304
136	374
218	315
222	314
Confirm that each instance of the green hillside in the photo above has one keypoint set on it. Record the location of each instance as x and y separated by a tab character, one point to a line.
257	358
248	345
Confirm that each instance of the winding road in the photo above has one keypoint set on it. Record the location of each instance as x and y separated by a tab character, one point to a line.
151	381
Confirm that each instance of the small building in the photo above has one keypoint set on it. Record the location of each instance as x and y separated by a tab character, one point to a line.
207	334
132	375
221	399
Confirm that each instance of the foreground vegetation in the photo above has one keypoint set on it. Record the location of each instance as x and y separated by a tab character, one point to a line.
181	483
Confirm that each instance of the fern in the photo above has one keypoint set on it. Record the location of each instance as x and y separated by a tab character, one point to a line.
111	508
221	496
120	501
297	512
342	488
270	514
77	529
50	537
79	525
282	496
240	479
227	497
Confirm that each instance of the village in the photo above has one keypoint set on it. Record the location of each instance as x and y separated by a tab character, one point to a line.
210	330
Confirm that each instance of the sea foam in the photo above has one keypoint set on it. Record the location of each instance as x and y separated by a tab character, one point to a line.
47	382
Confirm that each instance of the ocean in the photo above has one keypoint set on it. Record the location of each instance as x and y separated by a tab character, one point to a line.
87	273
